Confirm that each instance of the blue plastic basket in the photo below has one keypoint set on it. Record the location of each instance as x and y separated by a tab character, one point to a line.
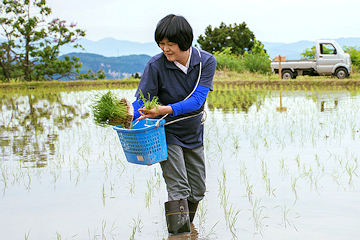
145	143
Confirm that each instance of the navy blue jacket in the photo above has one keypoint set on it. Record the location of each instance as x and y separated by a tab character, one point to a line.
164	79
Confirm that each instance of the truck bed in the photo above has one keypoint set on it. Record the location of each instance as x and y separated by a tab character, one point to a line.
295	64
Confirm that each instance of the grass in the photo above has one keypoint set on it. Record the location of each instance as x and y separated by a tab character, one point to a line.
27	235
221	76
226	76
258	214
136	227
230	213
79	85
285	215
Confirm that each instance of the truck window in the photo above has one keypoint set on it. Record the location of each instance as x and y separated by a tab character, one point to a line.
327	48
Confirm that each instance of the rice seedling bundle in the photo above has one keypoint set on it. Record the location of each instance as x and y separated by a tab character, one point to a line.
109	110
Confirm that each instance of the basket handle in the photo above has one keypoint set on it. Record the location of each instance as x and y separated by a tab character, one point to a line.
134	124
158	121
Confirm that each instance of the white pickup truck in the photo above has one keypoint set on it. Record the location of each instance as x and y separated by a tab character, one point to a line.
330	60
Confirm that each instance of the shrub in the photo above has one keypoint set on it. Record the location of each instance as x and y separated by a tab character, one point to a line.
227	60
354	54
257	63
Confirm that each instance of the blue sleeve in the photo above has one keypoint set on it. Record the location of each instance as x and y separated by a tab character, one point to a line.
193	103
136	105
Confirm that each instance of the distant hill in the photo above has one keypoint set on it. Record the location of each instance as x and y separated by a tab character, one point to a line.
111	47
120	58
114	67
292	51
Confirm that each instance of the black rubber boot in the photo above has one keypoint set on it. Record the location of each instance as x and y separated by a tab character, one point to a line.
177	216
192	209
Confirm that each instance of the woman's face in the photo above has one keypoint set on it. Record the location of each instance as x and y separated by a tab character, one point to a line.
173	52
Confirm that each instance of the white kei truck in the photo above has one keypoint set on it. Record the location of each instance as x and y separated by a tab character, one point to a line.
331	60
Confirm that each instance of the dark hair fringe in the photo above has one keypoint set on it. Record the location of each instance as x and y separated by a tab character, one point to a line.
176	29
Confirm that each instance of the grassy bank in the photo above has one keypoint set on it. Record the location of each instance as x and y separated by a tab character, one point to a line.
221	77
228	77
78	85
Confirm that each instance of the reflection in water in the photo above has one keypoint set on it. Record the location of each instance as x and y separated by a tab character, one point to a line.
289	170
230	98
29	126
281	108
323	108
194	235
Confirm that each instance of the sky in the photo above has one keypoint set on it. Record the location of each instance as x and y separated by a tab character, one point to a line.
284	21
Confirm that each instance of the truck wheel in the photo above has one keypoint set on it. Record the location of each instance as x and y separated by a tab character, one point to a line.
287	74
341	73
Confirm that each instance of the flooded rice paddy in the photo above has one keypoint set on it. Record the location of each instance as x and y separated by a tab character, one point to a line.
281	164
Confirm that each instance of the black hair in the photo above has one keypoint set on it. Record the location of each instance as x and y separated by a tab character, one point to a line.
176	29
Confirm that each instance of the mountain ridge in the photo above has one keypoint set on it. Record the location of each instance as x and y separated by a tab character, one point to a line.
114	67
110	47
121	58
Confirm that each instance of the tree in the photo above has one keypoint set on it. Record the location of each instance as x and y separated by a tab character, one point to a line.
354	54
136	75
90	74
308	53
32	45
238	37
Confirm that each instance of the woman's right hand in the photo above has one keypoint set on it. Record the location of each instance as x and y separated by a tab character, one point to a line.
154	112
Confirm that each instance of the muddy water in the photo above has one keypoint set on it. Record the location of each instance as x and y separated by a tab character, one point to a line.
279	166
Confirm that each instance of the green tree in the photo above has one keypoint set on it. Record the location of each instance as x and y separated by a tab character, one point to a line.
258	60
90	74
238	37
354	54
308	53
32	45
136	75
258	48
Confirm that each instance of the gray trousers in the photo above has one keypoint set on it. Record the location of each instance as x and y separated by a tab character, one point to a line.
184	173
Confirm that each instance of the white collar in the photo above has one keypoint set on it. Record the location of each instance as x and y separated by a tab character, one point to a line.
186	67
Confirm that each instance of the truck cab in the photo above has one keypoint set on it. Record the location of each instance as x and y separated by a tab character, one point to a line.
331	59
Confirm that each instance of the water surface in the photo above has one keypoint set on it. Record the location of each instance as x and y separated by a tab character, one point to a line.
280	165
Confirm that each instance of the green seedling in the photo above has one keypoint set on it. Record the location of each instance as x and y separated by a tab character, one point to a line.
109	110
148	102
27	235
202	212
258	215
212	230
136	227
